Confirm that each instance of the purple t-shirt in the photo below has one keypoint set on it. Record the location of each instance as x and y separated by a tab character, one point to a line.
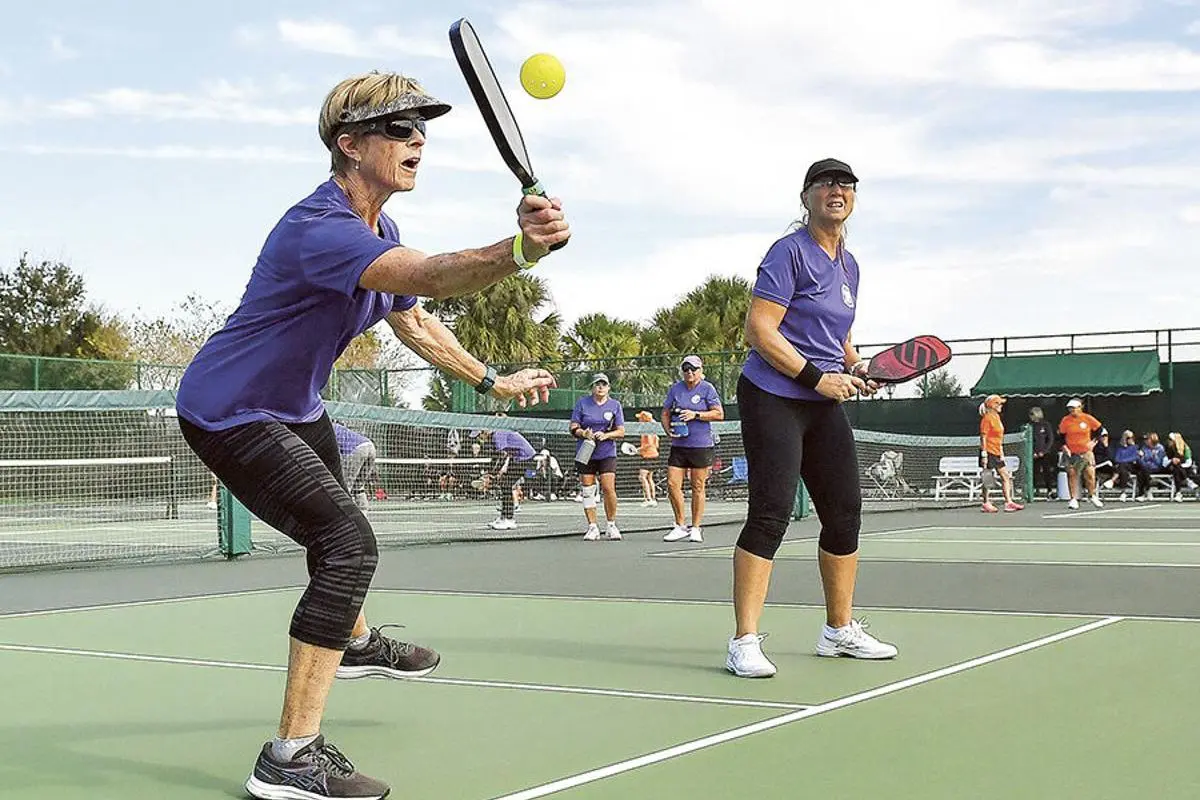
599	418
300	310
513	444
347	440
820	294
702	398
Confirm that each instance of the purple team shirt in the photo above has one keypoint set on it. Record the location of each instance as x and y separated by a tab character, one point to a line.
514	444
347	439
300	310
599	418
703	397
820	294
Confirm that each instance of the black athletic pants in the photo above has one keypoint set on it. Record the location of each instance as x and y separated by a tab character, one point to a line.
290	477
785	440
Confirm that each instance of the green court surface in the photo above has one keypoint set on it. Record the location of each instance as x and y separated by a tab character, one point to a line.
173	699
1050	544
595	670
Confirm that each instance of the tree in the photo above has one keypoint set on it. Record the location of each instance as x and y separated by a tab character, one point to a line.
44	312
499	325
166	344
940	383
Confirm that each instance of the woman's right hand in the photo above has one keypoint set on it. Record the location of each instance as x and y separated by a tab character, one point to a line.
840	386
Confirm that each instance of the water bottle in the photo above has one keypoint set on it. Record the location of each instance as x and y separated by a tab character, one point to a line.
584	454
678	426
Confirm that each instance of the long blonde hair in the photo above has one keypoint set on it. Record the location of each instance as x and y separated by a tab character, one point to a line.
1176	440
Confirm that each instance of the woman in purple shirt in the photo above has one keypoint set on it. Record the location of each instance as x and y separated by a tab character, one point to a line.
249	403
598	422
802	366
691	407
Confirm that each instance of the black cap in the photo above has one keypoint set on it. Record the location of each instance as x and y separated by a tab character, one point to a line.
826	166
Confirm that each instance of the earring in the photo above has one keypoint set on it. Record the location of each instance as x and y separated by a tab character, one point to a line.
357	164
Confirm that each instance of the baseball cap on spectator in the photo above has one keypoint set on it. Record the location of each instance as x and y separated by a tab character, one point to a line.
600	377
1074	402
692	361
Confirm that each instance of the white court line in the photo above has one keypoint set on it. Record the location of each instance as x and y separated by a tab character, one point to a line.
528	687
766	725
1022	562
728	548
160	601
987	612
1045	542
1125	508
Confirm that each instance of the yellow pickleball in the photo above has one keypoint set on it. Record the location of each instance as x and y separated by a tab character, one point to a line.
543	75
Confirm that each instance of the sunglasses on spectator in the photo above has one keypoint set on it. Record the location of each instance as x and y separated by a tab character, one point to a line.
689	368
398	128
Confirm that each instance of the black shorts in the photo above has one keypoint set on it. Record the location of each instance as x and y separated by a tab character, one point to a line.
649	464
597	466
691	457
995	462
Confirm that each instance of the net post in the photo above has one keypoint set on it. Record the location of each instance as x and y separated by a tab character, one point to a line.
1027	460
233	520
172	496
800	506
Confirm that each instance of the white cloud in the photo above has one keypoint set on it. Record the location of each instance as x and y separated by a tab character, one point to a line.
335	38
172	153
59	50
220	100
1193	29
1190	215
1132	67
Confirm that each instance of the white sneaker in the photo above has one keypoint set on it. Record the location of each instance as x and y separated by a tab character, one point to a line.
677	534
1073	504
695	534
593	533
1178	498
211	505
613	532
746	658
502	524
1141	498
654	504
853	641
645	504
1096	501
1108	484
1124	497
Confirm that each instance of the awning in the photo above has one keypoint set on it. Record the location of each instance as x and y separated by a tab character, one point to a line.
1133	372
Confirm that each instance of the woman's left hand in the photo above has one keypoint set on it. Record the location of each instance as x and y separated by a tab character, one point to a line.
529	387
859	370
687	415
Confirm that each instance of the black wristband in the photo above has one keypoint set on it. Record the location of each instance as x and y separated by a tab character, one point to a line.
489	380
810	376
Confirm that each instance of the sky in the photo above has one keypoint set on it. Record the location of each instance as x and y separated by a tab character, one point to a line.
1026	167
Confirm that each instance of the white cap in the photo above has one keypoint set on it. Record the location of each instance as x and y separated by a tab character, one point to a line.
1074	402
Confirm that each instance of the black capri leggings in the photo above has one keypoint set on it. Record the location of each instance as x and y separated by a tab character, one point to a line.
785	440
290	477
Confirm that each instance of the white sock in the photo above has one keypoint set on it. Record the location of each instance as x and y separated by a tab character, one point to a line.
286	749
833	632
359	642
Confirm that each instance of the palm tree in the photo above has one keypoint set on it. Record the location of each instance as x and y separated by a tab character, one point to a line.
498	324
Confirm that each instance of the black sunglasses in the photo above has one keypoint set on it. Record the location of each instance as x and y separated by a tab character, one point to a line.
689	368
397	128
829	181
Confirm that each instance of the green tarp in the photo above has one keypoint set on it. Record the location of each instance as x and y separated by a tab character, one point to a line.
1074	374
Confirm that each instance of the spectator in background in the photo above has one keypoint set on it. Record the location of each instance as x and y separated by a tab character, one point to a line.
1125	458
512	450
1150	462
598	422
358	462
1079	431
1103	455
991	455
1045	455
1179	462
691	406
648	451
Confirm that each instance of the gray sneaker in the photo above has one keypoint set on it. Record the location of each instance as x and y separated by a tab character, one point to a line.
316	772
385	657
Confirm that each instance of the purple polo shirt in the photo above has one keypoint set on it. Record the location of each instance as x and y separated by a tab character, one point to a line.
599	418
513	444
701	398
820	294
300	310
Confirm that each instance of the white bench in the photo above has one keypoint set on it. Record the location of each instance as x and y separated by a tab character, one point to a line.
960	475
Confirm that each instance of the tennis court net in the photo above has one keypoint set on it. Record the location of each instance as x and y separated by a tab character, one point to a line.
106	477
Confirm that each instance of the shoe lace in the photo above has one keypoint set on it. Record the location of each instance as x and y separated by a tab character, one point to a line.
329	758
393	648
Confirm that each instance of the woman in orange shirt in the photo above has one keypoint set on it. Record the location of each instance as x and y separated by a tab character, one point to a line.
648	450
991	452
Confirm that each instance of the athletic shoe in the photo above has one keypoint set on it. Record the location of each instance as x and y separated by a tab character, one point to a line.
1073	504
1013	507
613	532
211	505
853	641
385	657
1124	497
1096	501
746	658
593	533
1108	484
1141	498
1178	498
317	771
988	508
695	534
502	524
654	504
677	534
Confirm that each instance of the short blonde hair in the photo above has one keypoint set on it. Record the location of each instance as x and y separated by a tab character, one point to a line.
368	96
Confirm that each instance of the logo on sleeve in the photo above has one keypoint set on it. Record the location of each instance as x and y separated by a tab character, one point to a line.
695	398
608	415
